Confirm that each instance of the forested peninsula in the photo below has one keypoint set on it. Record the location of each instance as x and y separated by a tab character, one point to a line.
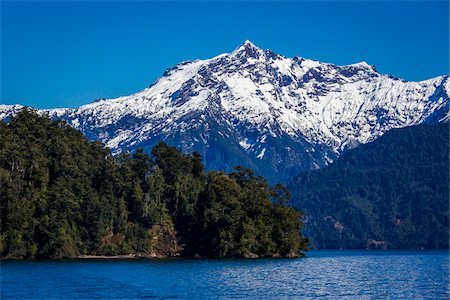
63	196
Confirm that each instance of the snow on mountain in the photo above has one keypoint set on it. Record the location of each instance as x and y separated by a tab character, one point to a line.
254	107
8	110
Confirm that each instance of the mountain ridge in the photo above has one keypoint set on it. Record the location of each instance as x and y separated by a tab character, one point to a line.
258	108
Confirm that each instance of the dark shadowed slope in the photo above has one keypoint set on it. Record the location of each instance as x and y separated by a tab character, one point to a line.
391	193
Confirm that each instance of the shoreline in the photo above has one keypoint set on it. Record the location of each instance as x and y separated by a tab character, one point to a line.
143	256
124	256
312	253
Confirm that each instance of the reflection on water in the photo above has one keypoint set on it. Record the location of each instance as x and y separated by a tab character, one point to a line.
332	274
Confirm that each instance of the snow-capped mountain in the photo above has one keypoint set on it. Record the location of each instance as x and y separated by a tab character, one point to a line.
277	115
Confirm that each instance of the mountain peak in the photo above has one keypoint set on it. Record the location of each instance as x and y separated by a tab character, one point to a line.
248	49
248	43
363	65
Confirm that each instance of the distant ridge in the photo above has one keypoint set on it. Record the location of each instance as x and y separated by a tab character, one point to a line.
392	193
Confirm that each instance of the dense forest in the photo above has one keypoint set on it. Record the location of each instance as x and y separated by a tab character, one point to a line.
392	193
63	196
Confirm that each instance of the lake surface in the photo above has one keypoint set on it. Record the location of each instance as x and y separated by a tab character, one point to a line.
329	274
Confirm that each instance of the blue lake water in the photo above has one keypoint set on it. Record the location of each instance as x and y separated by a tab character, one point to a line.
329	274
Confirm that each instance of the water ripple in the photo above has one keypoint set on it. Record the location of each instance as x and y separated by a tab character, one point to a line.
323	274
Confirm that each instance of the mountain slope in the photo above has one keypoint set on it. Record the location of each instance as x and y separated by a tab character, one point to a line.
278	115
391	193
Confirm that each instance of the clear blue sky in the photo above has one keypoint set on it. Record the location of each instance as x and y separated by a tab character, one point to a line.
64	54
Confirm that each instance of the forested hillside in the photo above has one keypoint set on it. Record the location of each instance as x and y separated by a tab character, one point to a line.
63	196
392	193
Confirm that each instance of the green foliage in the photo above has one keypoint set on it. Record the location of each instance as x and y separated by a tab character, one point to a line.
392	193
63	196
